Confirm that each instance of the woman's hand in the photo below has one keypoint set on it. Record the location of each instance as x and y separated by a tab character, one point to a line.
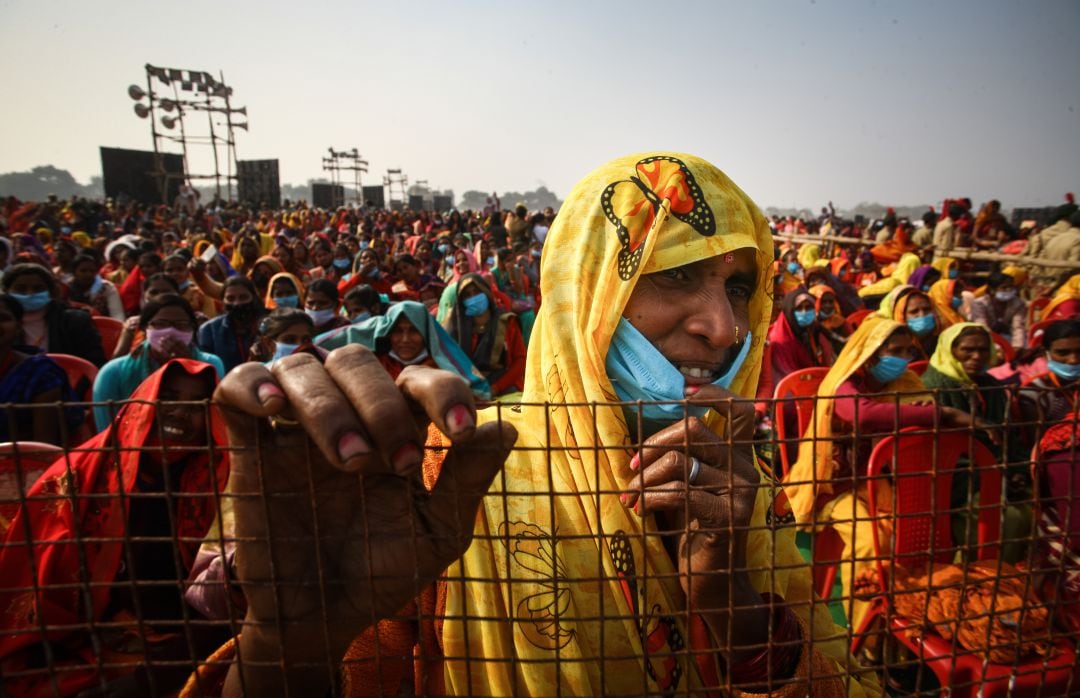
711	515
335	528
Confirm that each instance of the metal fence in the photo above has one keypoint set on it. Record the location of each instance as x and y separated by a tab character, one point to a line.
938	558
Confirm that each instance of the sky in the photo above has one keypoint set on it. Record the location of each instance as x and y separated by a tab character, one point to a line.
799	102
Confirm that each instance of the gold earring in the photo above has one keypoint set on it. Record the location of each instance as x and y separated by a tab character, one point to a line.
736	334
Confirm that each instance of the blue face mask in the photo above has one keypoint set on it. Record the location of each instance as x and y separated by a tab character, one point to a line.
828	314
284	350
1064	371
342	263
292	301
449	259
922	325
490	261
638	371
443	248
805	318
888	369
364	244
360	317
31	302
185	284
321	317
475	305
953	273
793	267
957	301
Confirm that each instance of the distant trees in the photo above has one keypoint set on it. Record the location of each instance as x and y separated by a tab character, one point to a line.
38	183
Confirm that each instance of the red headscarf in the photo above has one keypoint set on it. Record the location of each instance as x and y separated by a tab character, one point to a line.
106	464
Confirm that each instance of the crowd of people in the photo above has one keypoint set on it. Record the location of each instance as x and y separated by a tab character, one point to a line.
665	292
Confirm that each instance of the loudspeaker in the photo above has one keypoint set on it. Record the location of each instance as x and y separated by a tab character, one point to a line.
258	182
142	175
374	195
416	202
442	203
327	196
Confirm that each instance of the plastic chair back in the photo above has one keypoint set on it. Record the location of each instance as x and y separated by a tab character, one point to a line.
922	465
855	318
800	384
80	372
1035	308
1008	353
918	367
110	330
28	459
1035	333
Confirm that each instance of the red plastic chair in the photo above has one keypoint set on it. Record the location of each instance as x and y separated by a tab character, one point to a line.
81	374
1035	333
1008	353
1035	308
918	367
28	459
921	465
110	330
855	318
802	385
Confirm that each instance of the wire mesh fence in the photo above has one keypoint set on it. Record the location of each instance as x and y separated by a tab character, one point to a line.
877	554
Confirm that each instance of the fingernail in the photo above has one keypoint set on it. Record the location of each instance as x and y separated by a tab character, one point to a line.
635	462
459	419
267	391
624	497
406	458
352	445
691	390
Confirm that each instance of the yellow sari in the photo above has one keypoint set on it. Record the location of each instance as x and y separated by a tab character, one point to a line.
907	264
576	579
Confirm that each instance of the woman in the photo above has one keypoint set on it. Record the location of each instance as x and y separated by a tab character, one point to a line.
904	268
88	289
868	394
701	298
947	267
157	285
323	306
1055	395
284	332
407	335
367	270
957	371
363	302
176	268
924	277
285	291
230	336
410	278
492	338
48	324
134	543
463	263
915	309
513	282
948	298
169	324
27	379
1058	468
1002	310
829	317
797	339
1064	302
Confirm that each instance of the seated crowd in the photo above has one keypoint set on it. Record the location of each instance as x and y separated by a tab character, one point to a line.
903	334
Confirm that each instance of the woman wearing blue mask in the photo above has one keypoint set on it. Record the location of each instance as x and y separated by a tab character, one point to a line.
284	332
49	325
1055	395
868	394
491	337
322	305
914	309
1002	309
285	291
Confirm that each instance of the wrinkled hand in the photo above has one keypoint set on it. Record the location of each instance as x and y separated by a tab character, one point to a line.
340	530
711	517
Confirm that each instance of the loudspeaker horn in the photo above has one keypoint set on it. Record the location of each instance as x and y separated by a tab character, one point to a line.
142	111
136	92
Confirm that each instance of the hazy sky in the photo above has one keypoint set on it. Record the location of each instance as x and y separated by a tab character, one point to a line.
798	102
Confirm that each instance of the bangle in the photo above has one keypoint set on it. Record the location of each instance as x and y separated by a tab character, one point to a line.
779	659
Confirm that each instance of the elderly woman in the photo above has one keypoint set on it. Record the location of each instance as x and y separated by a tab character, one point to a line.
569	585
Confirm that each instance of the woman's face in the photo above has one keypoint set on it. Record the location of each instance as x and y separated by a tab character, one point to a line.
899	344
690	313
27	284
84	274
176	270
282	288
299	333
184	423
317	300
917	306
368	259
10	329
129	260
804	302
1066	350
237	295
408	272
249	251
156	288
972	350
405	340
828	306
354	307
323	256
172	317
282	254
461	263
